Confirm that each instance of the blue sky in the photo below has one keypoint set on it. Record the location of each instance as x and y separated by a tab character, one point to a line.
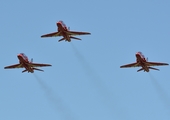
85	80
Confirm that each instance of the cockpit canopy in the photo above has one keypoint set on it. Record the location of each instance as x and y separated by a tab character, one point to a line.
141	54
62	23
25	57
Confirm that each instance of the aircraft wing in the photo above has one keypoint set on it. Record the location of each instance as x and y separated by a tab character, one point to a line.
77	33
155	64
39	65
54	34
14	66
130	65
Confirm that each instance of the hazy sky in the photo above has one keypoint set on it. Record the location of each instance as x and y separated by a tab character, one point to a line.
85	81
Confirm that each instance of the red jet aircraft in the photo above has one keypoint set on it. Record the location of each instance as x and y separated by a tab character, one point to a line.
65	32
142	62
25	63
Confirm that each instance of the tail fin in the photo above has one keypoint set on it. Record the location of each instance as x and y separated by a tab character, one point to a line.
61	39
31	60
75	38
153	68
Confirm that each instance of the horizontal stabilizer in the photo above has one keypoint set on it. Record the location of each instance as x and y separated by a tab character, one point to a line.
24	70
38	69
140	69
149	68
61	39
33	69
153	68
75	38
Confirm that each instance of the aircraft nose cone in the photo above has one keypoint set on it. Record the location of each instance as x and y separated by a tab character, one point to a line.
58	23
19	55
137	54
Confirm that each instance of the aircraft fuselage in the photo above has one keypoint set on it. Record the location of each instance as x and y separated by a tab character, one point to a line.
24	61
63	31
141	60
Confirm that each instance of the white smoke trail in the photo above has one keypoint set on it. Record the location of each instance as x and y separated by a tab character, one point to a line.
107	96
88	70
161	93
55	100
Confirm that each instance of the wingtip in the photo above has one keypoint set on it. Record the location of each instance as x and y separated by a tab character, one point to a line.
88	33
5	67
165	63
